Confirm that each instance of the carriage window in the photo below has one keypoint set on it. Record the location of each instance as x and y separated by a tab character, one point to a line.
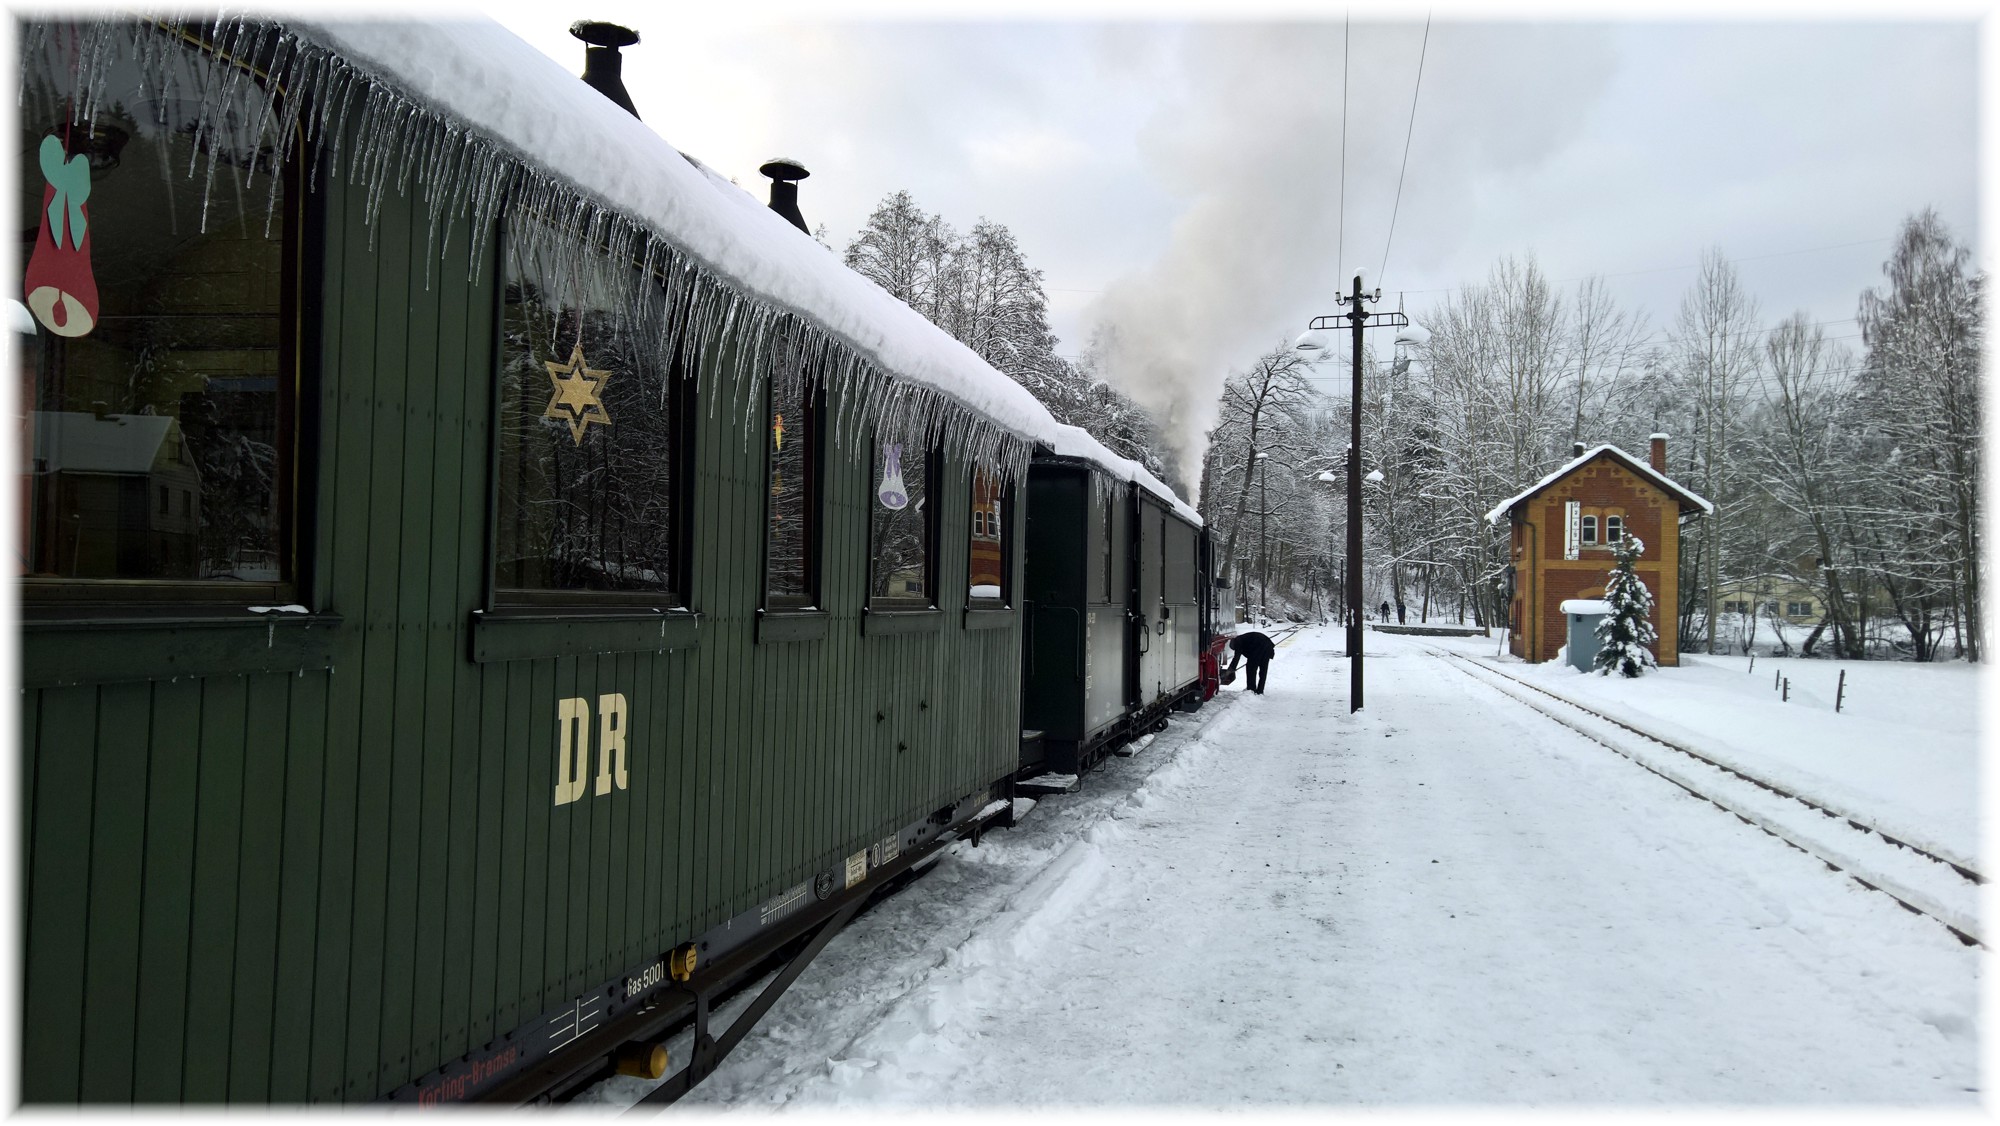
791	561
989	541
154	347
589	439
900	532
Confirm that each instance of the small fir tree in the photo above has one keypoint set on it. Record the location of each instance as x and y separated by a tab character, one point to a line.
1625	637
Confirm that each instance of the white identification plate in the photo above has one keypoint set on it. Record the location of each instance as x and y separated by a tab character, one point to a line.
857	867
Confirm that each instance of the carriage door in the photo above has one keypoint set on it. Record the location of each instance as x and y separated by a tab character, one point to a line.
1153	645
1166	631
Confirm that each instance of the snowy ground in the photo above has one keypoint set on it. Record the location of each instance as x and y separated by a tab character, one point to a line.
1903	751
1444	901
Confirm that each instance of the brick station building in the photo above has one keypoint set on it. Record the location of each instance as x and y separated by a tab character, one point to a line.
1563	528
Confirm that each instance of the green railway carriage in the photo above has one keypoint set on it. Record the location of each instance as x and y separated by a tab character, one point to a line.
451	593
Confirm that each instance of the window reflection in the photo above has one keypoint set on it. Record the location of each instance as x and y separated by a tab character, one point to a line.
151	343
792	433
900	526
588	442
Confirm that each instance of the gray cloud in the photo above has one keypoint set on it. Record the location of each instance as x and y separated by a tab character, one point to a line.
1253	145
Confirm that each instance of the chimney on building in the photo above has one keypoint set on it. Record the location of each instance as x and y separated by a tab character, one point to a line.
602	64
1658	456
1575	450
785	173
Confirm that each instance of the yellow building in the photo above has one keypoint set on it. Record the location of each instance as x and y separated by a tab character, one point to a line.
1563	530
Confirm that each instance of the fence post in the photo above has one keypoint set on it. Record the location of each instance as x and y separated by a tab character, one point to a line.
1753	663
1787	692
1840	692
1777	675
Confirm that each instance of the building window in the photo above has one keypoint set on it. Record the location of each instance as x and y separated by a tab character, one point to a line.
1590	529
160	357
1798	609
591	444
988	547
901	528
791	531
1614	529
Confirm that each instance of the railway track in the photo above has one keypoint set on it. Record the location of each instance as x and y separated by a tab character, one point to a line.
1922	880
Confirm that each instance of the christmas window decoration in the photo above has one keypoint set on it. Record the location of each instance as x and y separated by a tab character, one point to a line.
900	528
157	359
589	442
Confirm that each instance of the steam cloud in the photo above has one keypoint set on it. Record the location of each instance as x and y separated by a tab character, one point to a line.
1254	144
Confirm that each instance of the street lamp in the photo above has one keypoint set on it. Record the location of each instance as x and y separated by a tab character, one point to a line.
1317	339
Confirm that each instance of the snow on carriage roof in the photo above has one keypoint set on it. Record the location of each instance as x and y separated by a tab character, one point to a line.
1688	498
479	73
1074	441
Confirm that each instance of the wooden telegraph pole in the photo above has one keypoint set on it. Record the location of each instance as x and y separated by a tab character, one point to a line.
1358	319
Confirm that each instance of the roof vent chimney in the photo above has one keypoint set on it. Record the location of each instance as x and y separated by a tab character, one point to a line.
785	173
1575	449
602	63
1659	454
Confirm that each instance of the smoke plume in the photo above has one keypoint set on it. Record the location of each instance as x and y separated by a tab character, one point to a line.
1254	145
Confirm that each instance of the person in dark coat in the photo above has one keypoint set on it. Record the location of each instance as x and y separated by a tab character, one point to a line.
1385	611
1257	649
1399	613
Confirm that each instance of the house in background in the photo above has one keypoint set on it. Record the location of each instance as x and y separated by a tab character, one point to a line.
1563	530
1770	594
114	495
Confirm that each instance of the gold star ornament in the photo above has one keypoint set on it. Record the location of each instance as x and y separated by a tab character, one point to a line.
579	389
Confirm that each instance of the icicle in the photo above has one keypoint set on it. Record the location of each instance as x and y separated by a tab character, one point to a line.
681	314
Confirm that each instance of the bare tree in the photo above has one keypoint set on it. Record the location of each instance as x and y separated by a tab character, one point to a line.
1805	451
1715	337
1265	409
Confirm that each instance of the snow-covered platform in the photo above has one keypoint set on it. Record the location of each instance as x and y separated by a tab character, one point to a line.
1429	629
1446	898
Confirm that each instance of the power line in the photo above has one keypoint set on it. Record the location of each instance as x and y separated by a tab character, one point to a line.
1411	131
1340	245
1667	269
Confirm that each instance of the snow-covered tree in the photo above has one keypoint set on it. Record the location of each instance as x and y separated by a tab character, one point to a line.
1625	637
1920	388
980	288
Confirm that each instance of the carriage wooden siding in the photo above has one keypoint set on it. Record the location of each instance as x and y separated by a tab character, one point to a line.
313	858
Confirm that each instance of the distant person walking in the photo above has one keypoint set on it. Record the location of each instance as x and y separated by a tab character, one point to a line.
1257	649
1399	612
1385	611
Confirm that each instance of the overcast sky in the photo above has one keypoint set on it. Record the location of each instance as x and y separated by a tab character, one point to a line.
1184	179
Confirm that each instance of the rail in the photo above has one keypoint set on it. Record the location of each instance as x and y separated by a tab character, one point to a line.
1904	889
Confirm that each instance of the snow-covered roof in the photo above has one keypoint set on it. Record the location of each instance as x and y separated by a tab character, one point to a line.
1585	606
478	73
1076	442
1687	498
80	442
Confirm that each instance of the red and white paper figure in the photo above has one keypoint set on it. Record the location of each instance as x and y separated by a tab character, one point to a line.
61	291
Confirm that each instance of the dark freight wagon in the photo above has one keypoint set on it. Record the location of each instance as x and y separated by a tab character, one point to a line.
1110	581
